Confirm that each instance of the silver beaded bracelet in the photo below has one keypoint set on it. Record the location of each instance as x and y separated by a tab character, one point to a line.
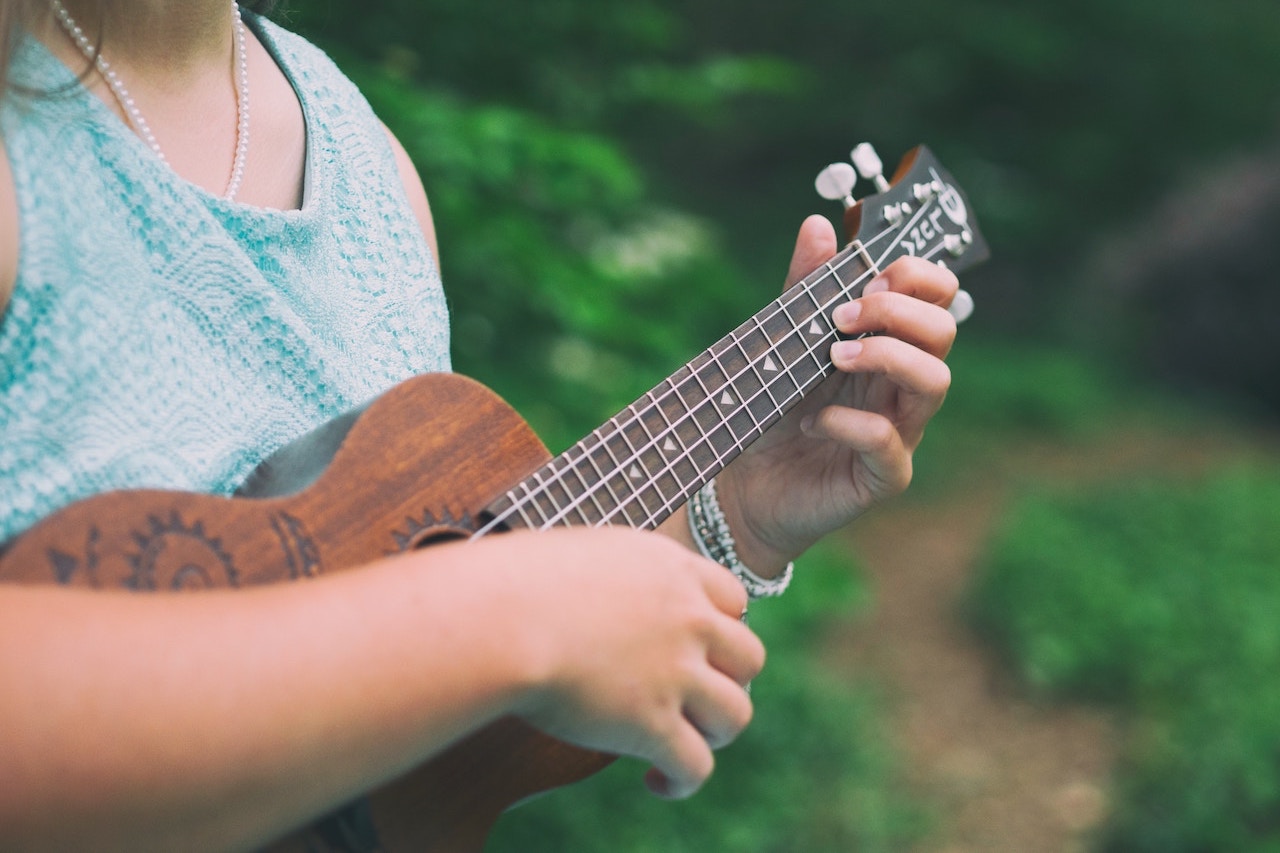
715	542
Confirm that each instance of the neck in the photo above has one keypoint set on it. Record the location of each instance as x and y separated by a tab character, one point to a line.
177	63
169	37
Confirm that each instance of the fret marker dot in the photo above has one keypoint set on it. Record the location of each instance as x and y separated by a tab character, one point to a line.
769	365
814	328
727	399
670	446
635	472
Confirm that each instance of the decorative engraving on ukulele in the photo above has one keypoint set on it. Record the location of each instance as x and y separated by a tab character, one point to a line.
65	566
430	528
300	550
173	555
952	202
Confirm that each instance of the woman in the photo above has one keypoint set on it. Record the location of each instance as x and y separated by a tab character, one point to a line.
184	291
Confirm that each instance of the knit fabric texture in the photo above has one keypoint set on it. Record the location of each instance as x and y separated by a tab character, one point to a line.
162	337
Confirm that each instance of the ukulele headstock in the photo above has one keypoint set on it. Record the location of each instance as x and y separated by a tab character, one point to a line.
920	211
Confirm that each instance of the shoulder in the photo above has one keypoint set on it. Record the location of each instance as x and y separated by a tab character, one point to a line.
306	64
415	191
8	231
310	69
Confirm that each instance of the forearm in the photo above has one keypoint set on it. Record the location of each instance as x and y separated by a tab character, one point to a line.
218	719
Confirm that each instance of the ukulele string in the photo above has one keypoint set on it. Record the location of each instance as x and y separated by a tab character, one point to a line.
568	464
635	496
801	389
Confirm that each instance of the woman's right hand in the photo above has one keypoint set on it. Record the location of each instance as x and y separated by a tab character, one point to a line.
202	721
636	647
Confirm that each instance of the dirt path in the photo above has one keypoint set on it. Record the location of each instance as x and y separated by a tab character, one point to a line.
1000	773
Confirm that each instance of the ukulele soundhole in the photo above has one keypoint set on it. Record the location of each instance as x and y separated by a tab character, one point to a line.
177	556
430	530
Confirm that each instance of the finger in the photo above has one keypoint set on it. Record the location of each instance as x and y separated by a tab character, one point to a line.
922	324
815	245
719	708
875	437
684	763
920	375
918	278
736	651
725	591
917	385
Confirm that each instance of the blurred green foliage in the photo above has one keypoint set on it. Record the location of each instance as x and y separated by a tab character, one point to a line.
1029	390
1161	598
563	141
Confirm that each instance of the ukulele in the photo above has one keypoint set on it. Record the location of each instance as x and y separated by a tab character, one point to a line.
440	457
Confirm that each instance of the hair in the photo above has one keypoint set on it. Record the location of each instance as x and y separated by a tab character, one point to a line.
16	15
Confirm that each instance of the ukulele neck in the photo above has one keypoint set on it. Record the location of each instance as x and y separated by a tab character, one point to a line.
644	463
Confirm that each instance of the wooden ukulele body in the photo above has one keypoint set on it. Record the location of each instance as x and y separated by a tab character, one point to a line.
419	465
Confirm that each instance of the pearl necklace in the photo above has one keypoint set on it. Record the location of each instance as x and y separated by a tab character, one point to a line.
134	115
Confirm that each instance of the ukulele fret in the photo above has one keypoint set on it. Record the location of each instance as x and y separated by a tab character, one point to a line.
783	380
683	469
743	423
756	392
627	472
717	408
579	486
665	445
653	462
644	463
650	458
601	468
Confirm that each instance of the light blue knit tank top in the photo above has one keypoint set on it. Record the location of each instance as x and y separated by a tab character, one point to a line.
159	336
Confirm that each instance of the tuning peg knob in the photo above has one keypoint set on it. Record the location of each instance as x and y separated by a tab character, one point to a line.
961	306
836	182
927	192
869	166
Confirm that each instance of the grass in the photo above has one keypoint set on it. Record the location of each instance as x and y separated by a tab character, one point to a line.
1158	598
1162	599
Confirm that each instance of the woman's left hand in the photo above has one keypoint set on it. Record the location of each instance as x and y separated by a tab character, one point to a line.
849	444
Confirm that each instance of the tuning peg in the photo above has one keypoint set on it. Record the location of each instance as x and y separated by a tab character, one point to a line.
956	244
961	306
927	192
836	182
869	166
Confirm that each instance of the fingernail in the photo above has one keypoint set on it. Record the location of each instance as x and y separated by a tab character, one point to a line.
845	350
846	313
876	285
806	427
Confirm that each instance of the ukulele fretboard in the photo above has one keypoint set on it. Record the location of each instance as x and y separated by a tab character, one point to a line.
645	462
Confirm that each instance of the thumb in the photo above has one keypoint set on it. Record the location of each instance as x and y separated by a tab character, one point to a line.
815	244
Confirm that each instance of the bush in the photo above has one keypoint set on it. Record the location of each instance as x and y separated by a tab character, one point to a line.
1162	599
